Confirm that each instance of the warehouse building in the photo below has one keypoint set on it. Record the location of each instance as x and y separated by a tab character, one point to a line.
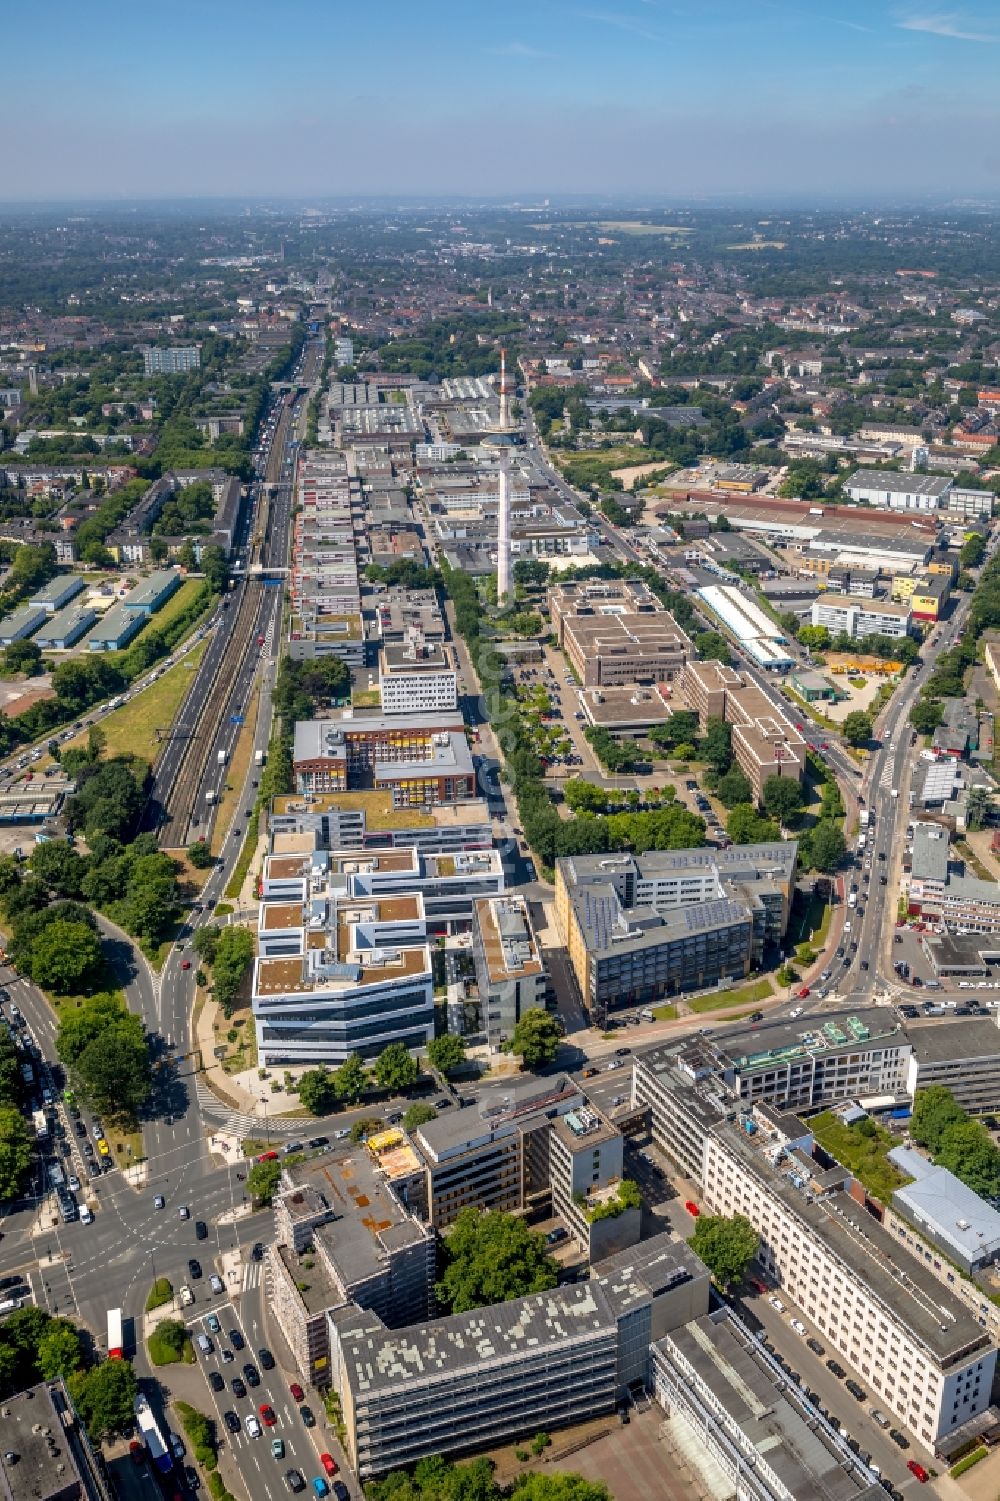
946	1212
898	491
116	630
57	593
152	593
24	621
64	629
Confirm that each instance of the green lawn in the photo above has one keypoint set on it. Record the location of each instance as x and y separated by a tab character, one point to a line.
721	1000
665	1013
810	922
131	730
864	1155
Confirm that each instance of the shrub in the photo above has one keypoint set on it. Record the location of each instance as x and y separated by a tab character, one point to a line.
161	1292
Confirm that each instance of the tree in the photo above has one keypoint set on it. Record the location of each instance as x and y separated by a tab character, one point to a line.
712	646
22	656
446	1052
934	1110
78	1028
815	637
717	746
318	1091
262	1181
59	866
726	1246
972	552
535	1039
16	1151
200	854
59	1350
558	1486
395	1068
113	1072
105	1397
978	807
827	846
66	957
926	715
233	958
418	1114
489	1258
351	1080
214	567
206	941
733	787
967	1150
745	826
782	798
857	727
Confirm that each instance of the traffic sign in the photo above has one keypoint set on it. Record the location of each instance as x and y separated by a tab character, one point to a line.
236	719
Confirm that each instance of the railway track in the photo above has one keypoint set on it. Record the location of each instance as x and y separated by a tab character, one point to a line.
173	831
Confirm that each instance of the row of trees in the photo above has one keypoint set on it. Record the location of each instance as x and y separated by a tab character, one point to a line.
229	954
435	1479
16	1142
955	1140
106	1053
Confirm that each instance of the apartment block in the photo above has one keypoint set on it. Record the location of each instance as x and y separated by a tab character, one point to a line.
418	677
765	741
175	361
370	820
858	618
346	1213
419	759
915	1345
638	928
449	885
510	971
616	631
473	1380
339	976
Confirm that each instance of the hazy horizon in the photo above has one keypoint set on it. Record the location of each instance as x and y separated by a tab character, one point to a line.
655	100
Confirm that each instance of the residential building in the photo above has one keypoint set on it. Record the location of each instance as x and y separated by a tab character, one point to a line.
616	631
336	976
474	1380
638	928
177	360
765	741
46	1454
714	1379
417	678
510	971
346	1213
918	1349
858	618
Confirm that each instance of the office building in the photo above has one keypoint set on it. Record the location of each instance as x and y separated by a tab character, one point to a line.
418	677
175	361
962	1055
370	820
765	741
802	1065
419	759
45	1454
730	1407
448	884
858	618
638	928
345	1213
938	891
510	972
919	1351
474	1380
336	976
616	631
896	491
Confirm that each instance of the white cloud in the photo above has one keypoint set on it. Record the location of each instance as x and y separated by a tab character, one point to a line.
947	25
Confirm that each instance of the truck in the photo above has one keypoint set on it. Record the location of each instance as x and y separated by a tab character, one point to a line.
116	1342
221	758
41	1124
865	818
258	758
150	1430
210	796
894	792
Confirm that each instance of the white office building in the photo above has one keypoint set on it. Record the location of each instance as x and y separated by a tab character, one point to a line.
860	617
417	677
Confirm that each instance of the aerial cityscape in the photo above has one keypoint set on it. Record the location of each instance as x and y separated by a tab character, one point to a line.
499	809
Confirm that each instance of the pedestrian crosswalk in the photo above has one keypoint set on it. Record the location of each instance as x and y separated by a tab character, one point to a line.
253	1275
240	1123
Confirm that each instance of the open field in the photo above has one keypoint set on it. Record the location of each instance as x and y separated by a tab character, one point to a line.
759	245
131	730
639	227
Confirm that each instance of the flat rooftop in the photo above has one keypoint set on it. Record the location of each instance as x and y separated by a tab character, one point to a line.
33	1420
497	1109
508	942
746	1048
948	1041
864	604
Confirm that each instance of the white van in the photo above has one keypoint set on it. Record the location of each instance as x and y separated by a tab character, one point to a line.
86	1215
205	1345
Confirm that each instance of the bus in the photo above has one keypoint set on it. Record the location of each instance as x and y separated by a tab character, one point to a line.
149	1428
116	1345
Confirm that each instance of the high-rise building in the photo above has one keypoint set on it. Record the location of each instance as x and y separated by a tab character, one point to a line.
175	361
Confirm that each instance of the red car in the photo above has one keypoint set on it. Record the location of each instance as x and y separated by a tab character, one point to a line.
692	1208
267	1157
136	1452
757	1285
329	1463
185	964
917	1469
804	993
267	1414
296	1391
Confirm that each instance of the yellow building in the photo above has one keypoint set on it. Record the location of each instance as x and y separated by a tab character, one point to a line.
903	586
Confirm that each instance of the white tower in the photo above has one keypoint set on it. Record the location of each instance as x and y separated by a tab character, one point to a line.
505	592
504	394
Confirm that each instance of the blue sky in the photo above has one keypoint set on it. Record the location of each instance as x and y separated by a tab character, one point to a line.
642	98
